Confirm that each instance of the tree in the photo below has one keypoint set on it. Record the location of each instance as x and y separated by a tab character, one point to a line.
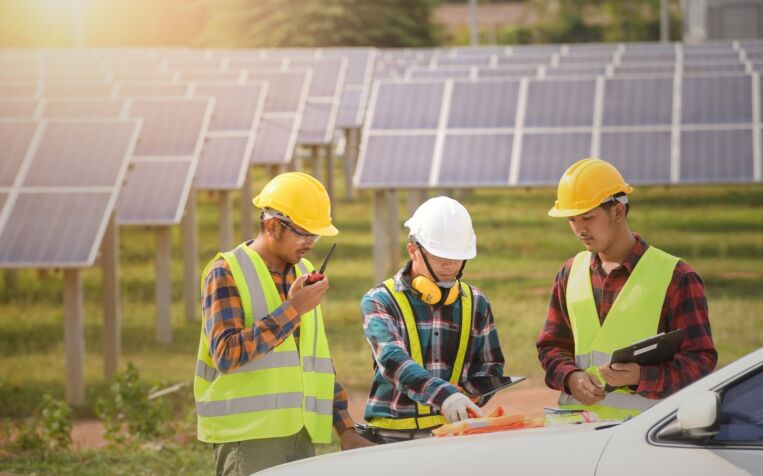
313	23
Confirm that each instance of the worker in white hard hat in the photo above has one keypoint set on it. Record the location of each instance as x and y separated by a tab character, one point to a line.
430	333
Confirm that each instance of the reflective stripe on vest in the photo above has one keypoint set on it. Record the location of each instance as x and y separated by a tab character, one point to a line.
280	392
635	315
426	419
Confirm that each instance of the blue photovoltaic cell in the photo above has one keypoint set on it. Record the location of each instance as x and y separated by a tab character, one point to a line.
523	60
738	68
481	160
716	100
651	69
560	103
638	101
15	137
315	127
463	61
53	229
274	141
169	127
407	106
325	81
349	109
284	89
17	108
485	104
222	164
357	62
504	72
396	161
449	73
81	154
153	192
546	156
717	156
573	70
641	157
235	105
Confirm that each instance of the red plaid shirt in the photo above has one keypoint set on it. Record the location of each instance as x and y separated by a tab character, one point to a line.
685	307
232	344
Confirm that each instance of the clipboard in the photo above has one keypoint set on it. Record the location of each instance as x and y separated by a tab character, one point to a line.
491	384
652	350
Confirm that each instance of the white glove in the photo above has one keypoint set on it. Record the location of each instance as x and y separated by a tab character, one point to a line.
454	408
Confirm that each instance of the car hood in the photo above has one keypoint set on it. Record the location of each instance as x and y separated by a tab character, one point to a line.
550	450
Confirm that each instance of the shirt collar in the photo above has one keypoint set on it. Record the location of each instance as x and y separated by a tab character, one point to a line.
630	261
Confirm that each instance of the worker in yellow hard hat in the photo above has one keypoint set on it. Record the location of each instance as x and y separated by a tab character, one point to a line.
265	385
618	291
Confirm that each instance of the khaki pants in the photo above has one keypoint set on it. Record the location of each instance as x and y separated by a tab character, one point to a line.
243	458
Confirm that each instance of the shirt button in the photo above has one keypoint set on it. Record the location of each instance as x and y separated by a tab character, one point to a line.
436	333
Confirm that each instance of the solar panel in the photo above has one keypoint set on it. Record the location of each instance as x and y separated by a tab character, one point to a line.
15	90
507	72
68	183
276	138
287	90
407	106
560	103
483	105
171	127
152	90
317	120
716	100
478	160
143	77
78	90
328	75
16	137
18	108
223	163
396	161
350	113
83	153
54	229
82	108
545	156
717	156
575	70
155	192
236	105
650	69
638	101
418	72
444	61
699	68
524	60
641	156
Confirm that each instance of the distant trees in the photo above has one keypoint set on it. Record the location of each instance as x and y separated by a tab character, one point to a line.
312	23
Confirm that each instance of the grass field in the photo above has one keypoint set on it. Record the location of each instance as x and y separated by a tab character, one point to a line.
718	230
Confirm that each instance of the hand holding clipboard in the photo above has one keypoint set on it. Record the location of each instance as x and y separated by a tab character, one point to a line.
653	350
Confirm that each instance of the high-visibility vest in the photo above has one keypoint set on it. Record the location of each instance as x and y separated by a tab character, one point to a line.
635	315
425	418
277	394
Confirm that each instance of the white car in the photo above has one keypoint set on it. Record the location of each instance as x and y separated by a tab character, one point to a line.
712	427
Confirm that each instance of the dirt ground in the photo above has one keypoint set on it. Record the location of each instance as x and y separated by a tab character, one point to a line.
527	398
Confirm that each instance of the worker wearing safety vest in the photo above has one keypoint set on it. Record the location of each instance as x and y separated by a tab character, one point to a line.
619	291
430	333
265	386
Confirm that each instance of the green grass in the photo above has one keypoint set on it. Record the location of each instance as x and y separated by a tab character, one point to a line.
717	229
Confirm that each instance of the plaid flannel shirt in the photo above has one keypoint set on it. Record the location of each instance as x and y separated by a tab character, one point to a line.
685	306
399	382
232	344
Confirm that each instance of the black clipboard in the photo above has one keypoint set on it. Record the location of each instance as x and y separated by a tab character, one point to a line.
652	350
489	385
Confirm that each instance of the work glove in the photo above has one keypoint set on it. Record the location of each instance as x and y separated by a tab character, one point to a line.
458	407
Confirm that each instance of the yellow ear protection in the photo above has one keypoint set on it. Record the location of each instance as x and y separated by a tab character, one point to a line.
430	292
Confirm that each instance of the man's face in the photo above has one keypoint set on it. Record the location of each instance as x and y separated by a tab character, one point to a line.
291	242
594	228
445	269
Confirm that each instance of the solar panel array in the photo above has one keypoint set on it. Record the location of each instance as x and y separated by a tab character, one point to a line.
662	114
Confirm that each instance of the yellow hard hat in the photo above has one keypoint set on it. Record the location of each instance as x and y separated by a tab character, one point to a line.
585	185
300	197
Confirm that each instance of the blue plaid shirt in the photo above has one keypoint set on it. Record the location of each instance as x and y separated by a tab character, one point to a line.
399	382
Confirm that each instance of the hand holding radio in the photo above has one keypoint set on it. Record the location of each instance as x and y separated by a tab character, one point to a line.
314	277
306	298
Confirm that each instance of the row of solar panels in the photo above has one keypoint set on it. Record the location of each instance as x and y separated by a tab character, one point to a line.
499	133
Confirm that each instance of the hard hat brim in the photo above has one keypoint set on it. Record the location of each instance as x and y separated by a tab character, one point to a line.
566	213
330	230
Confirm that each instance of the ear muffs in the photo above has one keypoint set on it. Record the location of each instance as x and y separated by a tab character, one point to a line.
431	293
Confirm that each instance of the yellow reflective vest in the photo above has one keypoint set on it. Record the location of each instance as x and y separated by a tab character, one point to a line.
635	315
277	394
425	418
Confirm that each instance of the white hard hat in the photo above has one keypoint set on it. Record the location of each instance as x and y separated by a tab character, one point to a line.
444	228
